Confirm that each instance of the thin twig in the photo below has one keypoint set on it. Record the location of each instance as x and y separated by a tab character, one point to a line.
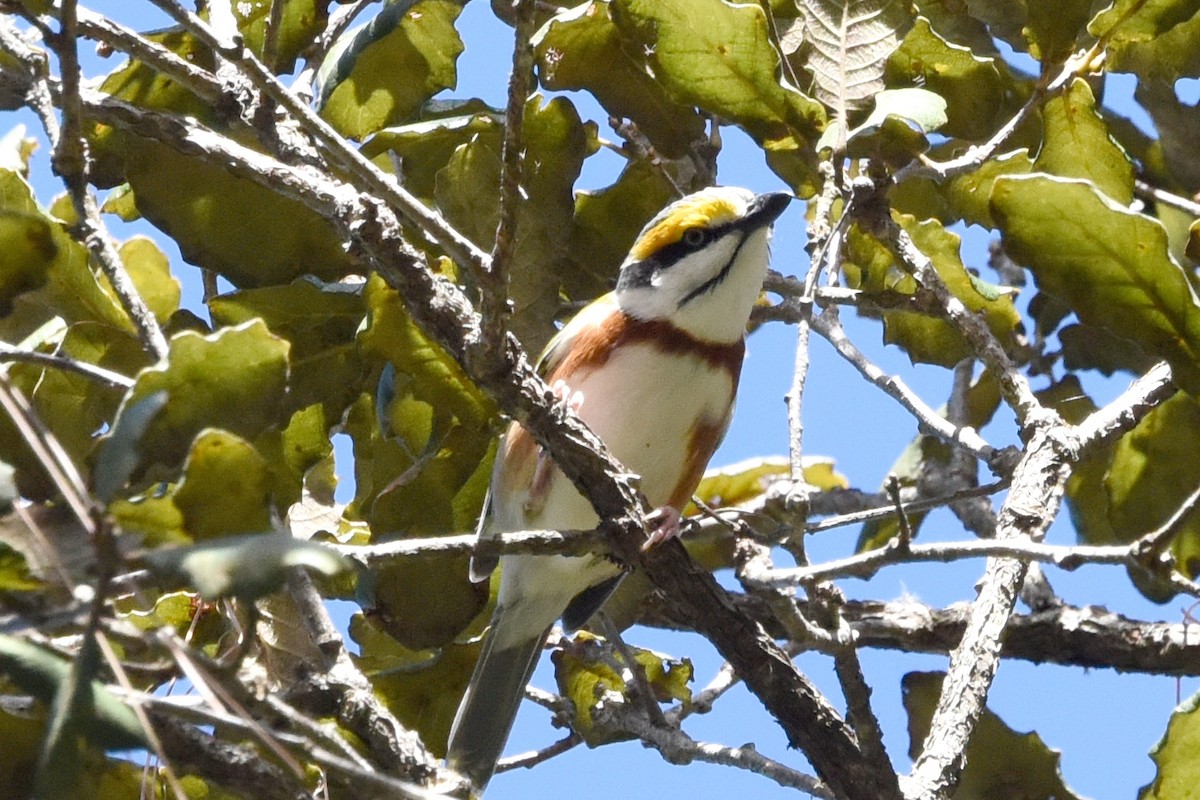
494	307
984	343
864	565
99	374
1166	198
270	55
165	62
531	759
385	186
156	747
71	162
50	454
927	418
1159	539
824	235
1077	65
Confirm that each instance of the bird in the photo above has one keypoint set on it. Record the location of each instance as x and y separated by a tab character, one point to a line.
652	368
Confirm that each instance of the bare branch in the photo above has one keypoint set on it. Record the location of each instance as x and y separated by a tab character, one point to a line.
928	419
493	301
71	162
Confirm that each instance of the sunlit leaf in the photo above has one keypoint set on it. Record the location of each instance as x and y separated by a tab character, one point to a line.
1174	755
580	48
728	67
1154	38
1109	264
587	670
1077	144
380	74
233	379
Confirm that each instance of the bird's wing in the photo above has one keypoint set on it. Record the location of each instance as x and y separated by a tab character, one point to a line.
591	315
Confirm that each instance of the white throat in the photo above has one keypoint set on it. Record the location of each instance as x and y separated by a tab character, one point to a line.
720	313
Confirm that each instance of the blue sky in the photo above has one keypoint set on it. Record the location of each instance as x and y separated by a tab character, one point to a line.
1103	722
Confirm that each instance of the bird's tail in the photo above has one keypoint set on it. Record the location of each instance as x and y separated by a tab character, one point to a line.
489	707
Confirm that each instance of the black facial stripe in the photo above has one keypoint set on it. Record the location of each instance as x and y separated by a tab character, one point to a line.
715	280
763	211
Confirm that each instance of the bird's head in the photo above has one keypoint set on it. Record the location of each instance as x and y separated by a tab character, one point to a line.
700	263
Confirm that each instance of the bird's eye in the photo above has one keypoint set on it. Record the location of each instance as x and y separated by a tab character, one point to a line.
695	237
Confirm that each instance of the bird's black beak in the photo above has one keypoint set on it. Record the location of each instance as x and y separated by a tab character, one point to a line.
766	208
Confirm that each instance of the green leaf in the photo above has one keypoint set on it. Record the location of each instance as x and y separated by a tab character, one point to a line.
581	48
889	132
1053	29
872	267
1000	761
606	223
1109	264
1077	144
1152	472
250	235
974	84
1178	126
112	725
380	74
1178	775
298	455
235	379
970	194
556	144
320	322
246	567
14	572
421	689
150	272
27	251
1154	38
426	474
299	24
1089	347
1005	19
425	147
746	480
225	488
727	67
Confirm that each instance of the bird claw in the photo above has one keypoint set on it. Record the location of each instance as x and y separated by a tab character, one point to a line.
564	397
666	526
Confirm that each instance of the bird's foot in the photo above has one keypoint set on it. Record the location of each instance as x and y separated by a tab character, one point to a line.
666	526
564	397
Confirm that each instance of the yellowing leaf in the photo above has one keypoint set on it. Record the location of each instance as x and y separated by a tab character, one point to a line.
225	488
380	74
1077	144
1174	755
233	379
581	48
1000	761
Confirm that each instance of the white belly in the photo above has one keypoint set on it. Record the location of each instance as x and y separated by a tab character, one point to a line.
644	405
